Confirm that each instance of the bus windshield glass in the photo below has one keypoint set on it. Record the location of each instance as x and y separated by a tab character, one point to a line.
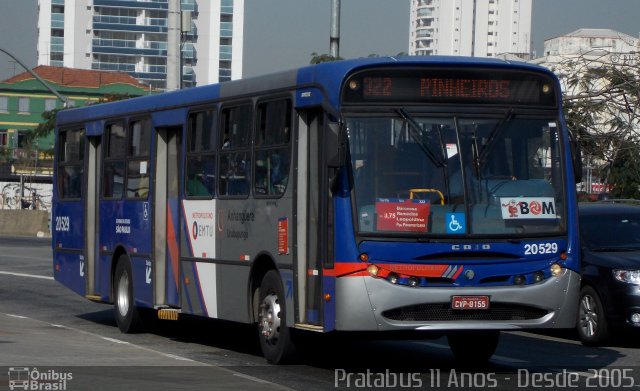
426	174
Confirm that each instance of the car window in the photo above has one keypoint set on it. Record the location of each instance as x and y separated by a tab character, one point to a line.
610	231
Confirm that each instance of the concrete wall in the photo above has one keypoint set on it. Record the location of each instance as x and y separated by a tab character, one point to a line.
24	223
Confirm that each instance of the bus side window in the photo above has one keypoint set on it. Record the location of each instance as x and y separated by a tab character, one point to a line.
273	152
234	173
70	164
201	158
114	162
138	159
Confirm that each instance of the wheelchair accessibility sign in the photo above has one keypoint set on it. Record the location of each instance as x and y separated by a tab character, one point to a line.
456	223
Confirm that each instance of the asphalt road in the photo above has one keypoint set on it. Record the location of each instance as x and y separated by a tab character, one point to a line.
64	340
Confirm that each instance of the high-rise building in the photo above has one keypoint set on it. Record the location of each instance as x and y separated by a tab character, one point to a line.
479	28
131	36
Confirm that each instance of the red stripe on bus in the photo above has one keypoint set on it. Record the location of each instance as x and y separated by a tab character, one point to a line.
172	244
455	276
342	269
360	269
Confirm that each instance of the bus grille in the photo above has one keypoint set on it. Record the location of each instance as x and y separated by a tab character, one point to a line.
443	312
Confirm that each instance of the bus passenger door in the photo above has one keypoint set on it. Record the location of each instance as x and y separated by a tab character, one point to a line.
311	222
166	217
92	227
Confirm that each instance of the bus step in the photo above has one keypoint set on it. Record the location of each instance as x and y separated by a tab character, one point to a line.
168	314
309	327
93	297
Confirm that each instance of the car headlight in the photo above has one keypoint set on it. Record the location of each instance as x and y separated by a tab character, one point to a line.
628	276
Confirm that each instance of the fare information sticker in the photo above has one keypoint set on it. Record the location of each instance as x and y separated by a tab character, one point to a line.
402	215
528	208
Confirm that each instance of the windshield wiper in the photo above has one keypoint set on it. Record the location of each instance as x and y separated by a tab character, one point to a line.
493	136
416	132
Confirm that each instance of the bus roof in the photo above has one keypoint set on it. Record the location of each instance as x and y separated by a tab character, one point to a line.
328	77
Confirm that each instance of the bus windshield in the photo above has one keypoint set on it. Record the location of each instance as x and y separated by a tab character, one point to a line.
426	174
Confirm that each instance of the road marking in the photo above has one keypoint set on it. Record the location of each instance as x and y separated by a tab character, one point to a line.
116	340
179	358
26	275
543	336
150	350
17	316
255	379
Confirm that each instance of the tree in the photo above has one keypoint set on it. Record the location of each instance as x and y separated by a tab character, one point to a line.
623	172
320	58
602	106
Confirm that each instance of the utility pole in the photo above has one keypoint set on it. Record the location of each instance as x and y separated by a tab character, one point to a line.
334	41
173	46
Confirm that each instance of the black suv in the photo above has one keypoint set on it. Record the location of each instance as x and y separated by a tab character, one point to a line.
610	294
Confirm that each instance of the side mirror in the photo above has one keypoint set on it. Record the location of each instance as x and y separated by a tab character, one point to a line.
334	142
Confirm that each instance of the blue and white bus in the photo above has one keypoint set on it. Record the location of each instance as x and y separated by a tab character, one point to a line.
426	195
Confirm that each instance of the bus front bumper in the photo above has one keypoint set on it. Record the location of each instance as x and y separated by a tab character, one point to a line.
374	304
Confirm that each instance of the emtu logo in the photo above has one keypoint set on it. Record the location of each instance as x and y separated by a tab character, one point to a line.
194	230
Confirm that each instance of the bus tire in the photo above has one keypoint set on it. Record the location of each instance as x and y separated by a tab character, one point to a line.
275	337
592	325
473	347
126	313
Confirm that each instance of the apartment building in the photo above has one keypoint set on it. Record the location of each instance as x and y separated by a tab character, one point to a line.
479	28
131	36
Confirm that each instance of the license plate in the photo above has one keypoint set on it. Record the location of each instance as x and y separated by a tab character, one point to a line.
470	302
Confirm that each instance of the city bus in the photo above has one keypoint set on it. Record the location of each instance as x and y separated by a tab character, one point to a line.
418	196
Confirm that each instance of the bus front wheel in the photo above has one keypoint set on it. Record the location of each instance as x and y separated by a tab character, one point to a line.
275	337
473	347
126	313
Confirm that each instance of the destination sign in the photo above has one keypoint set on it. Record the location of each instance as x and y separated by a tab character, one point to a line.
478	86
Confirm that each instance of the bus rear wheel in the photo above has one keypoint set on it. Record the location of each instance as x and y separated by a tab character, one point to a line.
473	347
126	312
275	337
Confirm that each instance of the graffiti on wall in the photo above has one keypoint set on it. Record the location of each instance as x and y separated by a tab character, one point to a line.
36	196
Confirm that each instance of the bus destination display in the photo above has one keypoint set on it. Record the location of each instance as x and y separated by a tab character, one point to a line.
517	88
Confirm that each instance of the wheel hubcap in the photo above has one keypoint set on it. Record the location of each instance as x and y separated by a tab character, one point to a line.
269	320
588	316
123	294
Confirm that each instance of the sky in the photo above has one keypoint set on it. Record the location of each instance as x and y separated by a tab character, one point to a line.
282	34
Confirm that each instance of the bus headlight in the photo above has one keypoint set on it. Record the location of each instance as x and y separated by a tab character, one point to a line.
556	270
373	270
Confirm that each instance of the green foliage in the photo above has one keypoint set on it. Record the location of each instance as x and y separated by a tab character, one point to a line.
624	172
320	58
44	129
